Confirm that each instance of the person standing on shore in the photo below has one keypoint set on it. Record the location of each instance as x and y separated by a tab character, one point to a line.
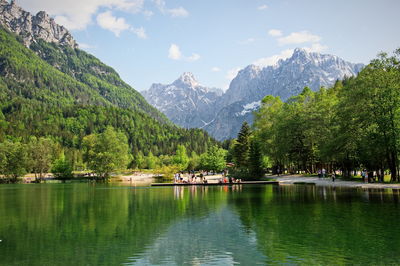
333	176
323	172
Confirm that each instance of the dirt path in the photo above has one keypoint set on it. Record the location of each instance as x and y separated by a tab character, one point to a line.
292	179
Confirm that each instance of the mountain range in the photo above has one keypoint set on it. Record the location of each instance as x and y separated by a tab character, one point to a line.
190	105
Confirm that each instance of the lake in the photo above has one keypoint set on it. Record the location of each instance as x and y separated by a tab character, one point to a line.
106	224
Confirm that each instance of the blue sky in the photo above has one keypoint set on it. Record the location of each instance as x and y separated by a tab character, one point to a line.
154	41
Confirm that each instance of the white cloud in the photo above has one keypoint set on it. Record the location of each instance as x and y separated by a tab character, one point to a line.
140	32
275	33
215	69
262	7
316	47
232	73
178	12
292	38
272	60
148	14
299	37
174	53
117	25
193	57
107	21
78	14
173	12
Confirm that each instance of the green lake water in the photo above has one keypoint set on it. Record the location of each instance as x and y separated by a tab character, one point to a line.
92	224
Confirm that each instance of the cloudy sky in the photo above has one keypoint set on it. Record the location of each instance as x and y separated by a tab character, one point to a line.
154	41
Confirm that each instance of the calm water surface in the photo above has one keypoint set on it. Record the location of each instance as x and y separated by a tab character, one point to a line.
86	224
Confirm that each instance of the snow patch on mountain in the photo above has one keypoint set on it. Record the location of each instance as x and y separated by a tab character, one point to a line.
248	108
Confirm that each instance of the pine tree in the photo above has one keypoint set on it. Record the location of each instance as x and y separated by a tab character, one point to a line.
255	160
242	147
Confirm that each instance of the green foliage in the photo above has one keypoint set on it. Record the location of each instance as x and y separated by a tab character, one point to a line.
242	146
13	159
181	158
256	170
41	153
62	169
151	161
194	161
213	159
138	161
106	152
167	171
354	124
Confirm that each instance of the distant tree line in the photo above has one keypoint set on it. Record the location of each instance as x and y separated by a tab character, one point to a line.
102	153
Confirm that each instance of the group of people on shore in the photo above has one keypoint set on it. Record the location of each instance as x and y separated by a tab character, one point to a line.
230	180
322	174
367	177
191	178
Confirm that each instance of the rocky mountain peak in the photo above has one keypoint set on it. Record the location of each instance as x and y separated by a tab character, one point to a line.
33	27
302	55
299	51
186	79
185	101
250	71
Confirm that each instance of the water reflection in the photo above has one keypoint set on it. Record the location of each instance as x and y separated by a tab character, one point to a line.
108	225
217	238
320	225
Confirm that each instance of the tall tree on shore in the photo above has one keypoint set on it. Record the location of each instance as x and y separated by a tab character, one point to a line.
106	152
255	159
181	157
267	123
242	147
213	159
13	159
41	153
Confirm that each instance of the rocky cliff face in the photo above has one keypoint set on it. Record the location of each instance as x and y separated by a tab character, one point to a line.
33	27
185	102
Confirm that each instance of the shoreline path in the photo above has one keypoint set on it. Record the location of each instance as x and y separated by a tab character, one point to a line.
293	179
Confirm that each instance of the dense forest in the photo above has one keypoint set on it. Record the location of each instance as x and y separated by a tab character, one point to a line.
352	126
63	95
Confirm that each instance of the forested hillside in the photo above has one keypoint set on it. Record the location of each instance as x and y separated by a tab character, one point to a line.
78	97
101	78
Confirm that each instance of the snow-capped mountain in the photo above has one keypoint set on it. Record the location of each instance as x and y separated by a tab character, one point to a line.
188	104
185	102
